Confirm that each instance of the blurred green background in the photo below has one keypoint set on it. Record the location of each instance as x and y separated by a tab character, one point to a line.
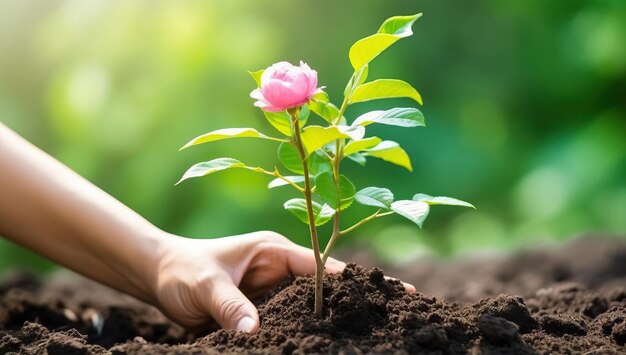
525	102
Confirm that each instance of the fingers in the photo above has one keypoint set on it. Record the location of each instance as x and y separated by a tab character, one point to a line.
231	309
407	286
301	260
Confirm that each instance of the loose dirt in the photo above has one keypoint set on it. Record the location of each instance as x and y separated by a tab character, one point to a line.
542	302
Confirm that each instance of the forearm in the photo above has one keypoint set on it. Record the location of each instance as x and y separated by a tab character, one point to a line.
51	210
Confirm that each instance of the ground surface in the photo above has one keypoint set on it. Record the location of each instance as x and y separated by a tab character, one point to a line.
571	300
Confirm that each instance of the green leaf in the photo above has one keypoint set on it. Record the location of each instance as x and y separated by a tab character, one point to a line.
321	96
280	182
209	167
415	211
325	110
442	200
305	111
315	137
289	157
358	158
318	163
356	146
325	183
280	120
399	25
355	133
322	213
256	75
359	79
228	133
399	116
390	151
368	48
375	196
385	89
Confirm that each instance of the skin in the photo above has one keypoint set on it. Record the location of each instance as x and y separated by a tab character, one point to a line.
53	211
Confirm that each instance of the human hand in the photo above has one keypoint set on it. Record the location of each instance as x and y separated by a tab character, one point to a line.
199	280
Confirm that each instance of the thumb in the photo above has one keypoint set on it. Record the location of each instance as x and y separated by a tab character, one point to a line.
232	309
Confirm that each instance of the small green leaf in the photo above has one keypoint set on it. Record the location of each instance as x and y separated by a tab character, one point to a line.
256	75
375	196
315	137
209	167
415	211
390	151
325	110
289	157
325	183
356	146
358	158
321	96
399	25
305	111
322	213
368	48
385	89
442	200
228	133
359	79
399	116
280	182
280	120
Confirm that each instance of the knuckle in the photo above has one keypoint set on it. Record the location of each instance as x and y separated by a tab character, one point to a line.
272	237
230	308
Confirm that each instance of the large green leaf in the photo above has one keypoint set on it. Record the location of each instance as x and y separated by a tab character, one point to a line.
315	137
281	182
368	48
399	116
280	120
289	157
385	89
415	211
441	200
228	133
375	196
325	187
256	75
212	166
357	146
392	152
325	110
322	213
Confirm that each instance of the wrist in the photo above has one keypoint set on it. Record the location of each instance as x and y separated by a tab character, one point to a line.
143	264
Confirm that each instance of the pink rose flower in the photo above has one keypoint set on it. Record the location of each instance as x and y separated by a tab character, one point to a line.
285	86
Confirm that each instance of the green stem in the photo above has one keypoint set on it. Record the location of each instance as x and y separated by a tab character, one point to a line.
377	214
278	175
319	270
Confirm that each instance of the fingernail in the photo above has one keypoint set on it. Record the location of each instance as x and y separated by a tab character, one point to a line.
245	324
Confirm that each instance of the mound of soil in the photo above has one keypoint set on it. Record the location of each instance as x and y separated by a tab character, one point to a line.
364	313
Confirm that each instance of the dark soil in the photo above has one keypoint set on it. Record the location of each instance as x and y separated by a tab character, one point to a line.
564	308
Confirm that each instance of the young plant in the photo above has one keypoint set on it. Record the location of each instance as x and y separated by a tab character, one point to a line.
287	94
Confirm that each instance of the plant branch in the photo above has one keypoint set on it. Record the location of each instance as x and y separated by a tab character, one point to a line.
377	214
276	174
